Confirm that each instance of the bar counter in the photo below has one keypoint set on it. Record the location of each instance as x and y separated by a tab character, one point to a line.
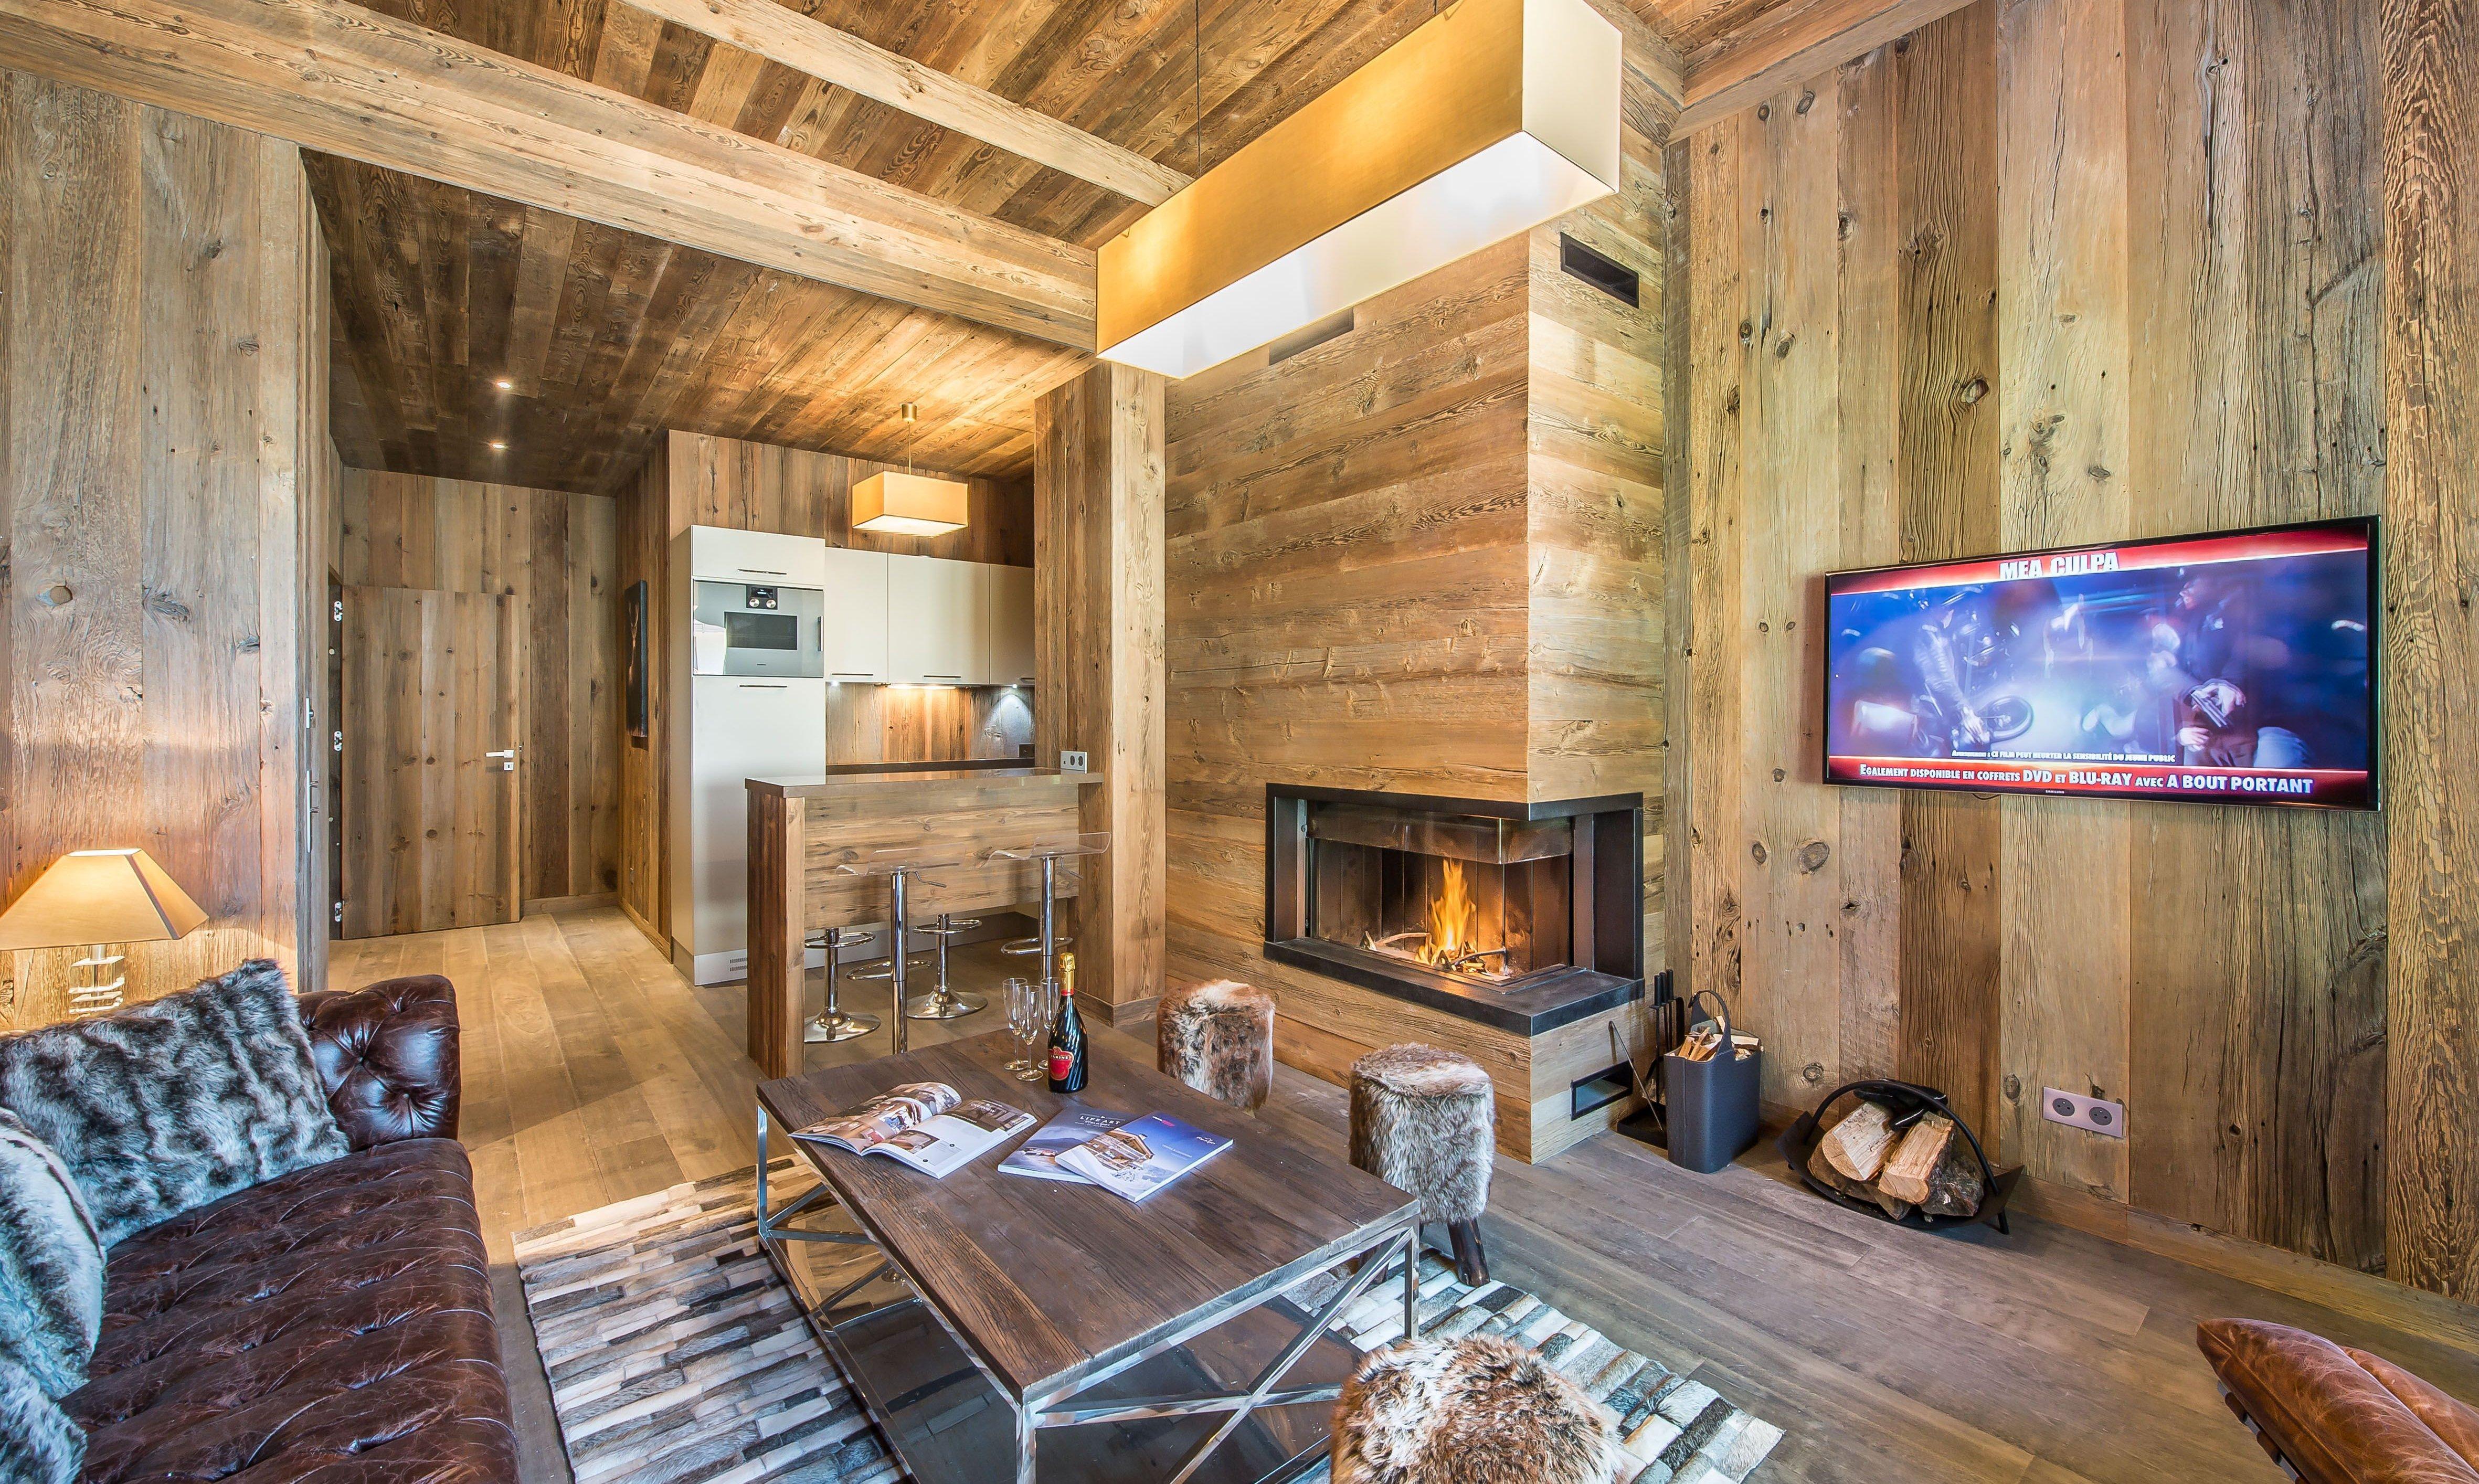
813	840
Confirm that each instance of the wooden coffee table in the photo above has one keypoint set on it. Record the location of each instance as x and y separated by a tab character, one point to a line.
1004	1327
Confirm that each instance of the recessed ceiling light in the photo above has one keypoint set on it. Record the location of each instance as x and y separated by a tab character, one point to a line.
498	445
504	384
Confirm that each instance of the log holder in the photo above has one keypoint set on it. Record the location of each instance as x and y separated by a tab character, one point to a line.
1908	1102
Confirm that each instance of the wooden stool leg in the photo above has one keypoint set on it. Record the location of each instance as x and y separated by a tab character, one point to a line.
1471	1263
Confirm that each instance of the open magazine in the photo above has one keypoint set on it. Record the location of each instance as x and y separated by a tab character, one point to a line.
926	1125
1038	1156
1139	1159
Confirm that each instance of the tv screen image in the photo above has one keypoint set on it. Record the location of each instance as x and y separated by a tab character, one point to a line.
2232	667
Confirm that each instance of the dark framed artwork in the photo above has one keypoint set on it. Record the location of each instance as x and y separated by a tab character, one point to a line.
633	615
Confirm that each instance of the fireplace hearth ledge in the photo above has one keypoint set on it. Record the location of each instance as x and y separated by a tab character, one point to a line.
1527	1010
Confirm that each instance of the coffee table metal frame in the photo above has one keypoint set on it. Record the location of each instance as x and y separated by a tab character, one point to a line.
1054	1406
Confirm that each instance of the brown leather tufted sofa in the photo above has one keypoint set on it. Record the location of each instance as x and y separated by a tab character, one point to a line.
334	1323
2337	1416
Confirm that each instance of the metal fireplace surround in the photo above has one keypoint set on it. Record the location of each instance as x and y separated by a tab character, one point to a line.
1549	898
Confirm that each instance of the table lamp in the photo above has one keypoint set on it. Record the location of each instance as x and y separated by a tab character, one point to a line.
98	899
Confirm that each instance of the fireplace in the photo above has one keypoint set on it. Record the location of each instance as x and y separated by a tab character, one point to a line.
1522	916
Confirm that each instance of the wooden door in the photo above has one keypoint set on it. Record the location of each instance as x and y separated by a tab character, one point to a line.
429	764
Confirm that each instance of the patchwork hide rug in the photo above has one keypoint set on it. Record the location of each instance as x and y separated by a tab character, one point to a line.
676	1356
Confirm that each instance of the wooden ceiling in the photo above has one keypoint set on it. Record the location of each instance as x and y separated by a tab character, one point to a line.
607	338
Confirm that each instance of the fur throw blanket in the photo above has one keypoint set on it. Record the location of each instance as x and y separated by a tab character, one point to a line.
51	1263
172	1104
1477	1410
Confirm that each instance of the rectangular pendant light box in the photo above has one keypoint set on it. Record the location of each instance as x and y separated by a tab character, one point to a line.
894	504
1489	120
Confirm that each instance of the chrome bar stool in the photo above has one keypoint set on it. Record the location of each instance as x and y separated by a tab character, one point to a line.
1049	852
835	1023
942	1003
899	867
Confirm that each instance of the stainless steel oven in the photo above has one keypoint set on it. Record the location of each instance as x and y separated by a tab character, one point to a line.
758	628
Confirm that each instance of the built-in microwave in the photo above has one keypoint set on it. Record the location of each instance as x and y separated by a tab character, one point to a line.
758	628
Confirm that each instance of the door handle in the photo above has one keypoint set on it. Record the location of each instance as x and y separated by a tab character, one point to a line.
763	571
510	753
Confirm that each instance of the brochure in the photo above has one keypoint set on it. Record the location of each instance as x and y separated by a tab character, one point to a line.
1038	1156
1139	1159
926	1125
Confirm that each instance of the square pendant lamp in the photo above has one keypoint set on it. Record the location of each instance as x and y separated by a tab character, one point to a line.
1491	119
900	504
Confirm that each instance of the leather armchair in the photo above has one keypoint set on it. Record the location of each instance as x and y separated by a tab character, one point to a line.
2338	1415
387	1053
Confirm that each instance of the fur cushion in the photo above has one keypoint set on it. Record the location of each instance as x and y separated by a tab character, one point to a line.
1218	1038
39	1444
173	1104
1477	1411
51	1262
1423	1121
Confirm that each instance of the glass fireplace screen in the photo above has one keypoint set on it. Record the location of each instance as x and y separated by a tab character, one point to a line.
1484	898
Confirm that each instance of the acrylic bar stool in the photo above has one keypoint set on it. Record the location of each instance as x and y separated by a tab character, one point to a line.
942	1003
835	1023
1049	850
899	867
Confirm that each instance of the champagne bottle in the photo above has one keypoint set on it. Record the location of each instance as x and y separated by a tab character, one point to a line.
1068	1034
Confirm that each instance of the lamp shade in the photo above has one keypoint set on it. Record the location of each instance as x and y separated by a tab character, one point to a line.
99	896
900	504
1486	120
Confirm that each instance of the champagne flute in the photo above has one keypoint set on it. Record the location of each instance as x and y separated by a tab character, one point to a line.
1025	1022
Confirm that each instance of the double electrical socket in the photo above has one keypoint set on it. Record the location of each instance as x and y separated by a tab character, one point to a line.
2083	1112
1071	762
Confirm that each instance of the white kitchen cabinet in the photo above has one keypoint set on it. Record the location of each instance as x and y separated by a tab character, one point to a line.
721	554
1010	612
737	727
936	628
856	639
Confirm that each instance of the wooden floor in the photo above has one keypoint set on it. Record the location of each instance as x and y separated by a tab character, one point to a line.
594	1073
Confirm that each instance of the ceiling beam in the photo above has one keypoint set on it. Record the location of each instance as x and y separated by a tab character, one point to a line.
335	77
806	44
1790	44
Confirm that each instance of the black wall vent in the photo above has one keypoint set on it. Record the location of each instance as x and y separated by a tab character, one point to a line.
1308	338
1613	278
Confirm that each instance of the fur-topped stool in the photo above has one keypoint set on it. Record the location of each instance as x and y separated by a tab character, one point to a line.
1219	1039
1475	1411
1423	1121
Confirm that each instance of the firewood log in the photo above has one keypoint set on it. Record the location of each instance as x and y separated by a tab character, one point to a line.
1822	1169
1955	1188
1906	1170
1858	1144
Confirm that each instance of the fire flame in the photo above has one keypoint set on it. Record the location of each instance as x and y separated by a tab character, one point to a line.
1454	920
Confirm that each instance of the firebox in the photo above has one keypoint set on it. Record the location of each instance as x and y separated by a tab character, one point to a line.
1525	916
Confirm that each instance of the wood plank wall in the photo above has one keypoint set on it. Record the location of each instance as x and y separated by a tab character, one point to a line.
1427	555
559	556
700	479
2046	270
162	365
2430	53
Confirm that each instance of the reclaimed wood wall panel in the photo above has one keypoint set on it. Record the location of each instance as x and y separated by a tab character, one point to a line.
1595	656
156	433
2096	269
559	555
1100	635
1430	555
2431	314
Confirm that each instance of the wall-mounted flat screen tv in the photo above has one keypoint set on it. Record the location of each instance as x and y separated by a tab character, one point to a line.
2238	667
